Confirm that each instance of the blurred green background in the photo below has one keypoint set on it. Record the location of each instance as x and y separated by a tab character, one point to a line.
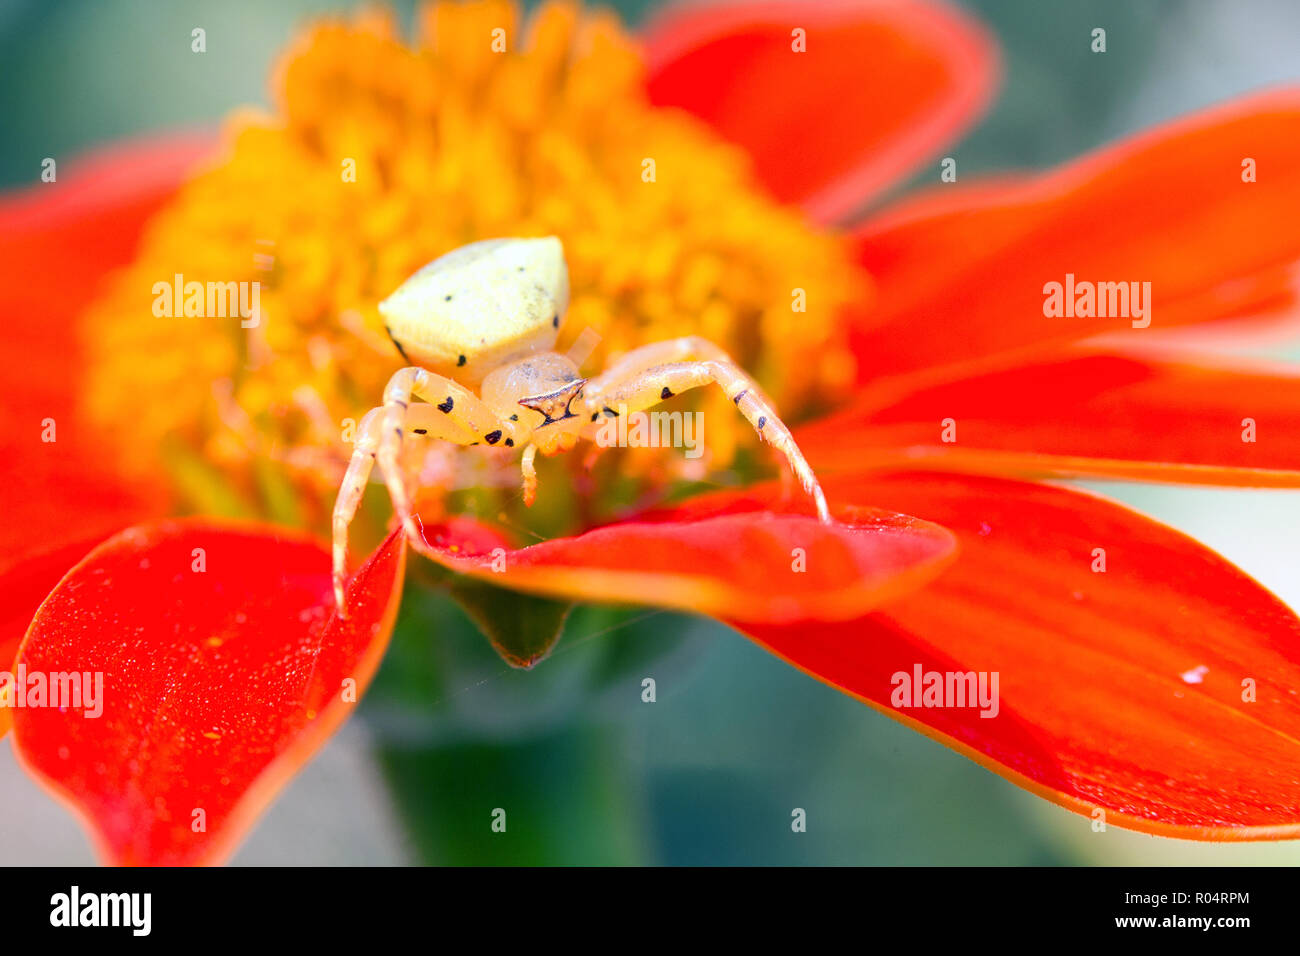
710	772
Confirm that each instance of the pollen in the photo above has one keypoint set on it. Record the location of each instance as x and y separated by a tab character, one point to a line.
377	156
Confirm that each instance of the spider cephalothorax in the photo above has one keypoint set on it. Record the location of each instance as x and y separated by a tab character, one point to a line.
486	316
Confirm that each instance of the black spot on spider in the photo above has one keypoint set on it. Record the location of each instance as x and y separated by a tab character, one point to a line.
510	443
555	321
400	351
610	412
446	298
740	395
492	437
420	431
447	406
461	360
666	393
595	415
521	268
762	420
514	418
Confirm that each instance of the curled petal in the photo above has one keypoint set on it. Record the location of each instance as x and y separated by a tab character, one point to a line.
215	666
754	566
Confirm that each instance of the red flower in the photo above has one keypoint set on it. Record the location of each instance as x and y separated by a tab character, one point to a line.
1157	687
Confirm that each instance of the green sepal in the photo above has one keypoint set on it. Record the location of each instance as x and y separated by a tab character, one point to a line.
522	628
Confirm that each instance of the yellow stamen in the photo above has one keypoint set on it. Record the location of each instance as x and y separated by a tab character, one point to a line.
380	156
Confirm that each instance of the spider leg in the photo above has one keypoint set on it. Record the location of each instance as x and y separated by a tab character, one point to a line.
530	474
452	413
349	499
421	419
473	421
646	387
688	348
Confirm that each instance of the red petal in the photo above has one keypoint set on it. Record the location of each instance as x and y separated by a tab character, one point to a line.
881	87
24	587
1119	690
1085	414
217	685
753	567
57	241
961	271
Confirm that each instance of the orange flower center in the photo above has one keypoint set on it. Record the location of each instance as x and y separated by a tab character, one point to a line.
380	156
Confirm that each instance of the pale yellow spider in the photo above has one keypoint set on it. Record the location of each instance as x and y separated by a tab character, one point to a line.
488	315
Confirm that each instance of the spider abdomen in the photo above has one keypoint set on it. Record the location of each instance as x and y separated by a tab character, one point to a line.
480	306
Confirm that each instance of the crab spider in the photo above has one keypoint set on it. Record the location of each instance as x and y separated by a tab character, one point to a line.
486	316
